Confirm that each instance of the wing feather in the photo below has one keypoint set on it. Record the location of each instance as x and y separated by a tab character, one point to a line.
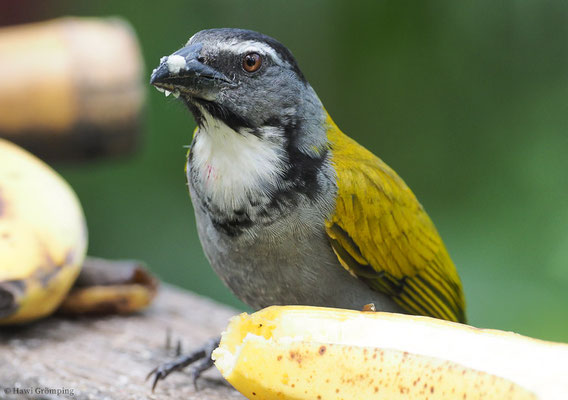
381	234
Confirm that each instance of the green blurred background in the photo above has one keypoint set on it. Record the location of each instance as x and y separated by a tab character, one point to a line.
467	101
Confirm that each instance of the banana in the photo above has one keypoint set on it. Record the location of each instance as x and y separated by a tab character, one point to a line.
43	236
297	352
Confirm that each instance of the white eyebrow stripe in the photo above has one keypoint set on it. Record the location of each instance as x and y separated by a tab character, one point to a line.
249	46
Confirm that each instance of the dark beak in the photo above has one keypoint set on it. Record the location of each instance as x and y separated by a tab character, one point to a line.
183	72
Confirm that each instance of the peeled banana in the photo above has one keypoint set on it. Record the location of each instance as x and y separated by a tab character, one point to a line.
43	236
297	352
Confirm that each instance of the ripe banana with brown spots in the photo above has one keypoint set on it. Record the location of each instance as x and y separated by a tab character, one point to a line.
43	242
296	353
43	236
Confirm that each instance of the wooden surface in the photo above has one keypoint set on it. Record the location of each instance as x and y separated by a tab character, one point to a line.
109	358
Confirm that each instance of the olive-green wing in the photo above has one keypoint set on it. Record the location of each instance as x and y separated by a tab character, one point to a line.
382	235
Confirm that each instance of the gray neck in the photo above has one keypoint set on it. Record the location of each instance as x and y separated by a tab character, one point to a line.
250	178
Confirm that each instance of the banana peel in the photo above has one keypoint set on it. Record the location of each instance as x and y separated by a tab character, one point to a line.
43	243
297	352
110	287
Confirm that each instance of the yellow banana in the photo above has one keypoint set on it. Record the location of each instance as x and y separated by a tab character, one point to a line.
297	352
43	236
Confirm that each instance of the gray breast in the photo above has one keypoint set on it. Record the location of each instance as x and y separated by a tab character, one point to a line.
288	261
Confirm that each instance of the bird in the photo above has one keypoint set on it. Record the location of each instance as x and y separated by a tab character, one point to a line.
289	209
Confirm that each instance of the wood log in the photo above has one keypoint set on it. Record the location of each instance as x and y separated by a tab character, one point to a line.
109	357
72	87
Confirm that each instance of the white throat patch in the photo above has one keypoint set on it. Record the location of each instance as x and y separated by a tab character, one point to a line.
235	167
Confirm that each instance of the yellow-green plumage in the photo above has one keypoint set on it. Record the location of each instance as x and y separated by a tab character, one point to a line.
382	235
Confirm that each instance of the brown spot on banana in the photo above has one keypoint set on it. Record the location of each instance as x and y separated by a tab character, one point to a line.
46	272
45	275
50	267
70	257
10	291
8	304
296	356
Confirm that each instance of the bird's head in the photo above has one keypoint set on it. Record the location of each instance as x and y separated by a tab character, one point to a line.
247	80
261	147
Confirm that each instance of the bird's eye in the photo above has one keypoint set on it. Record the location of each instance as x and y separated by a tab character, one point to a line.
252	62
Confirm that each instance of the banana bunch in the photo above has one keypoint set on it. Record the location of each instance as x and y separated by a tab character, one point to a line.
43	242
297	352
43	236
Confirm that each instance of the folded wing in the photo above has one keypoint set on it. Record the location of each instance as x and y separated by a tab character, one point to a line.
382	235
